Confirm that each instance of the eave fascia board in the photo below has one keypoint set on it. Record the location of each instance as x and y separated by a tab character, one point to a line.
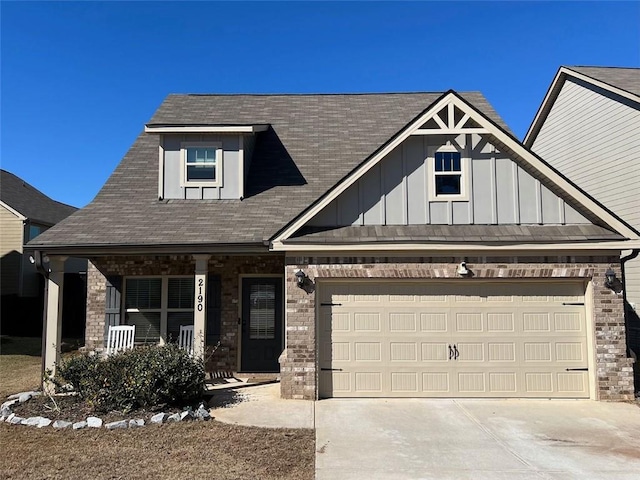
182	129
613	246
13	211
554	90
352	177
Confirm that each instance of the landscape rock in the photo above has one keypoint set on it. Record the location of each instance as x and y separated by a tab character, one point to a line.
118	424
39	422
202	413
159	418
8	419
5	412
16	420
79	425
18	395
8	404
175	417
61	424
186	415
136	423
26	396
94	422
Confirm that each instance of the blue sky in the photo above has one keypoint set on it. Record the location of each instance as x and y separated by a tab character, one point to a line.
80	79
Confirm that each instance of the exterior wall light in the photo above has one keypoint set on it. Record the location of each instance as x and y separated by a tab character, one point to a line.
463	271
610	278
301	278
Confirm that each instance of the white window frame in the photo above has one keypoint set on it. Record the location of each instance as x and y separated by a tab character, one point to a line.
164	309
465	163
183	162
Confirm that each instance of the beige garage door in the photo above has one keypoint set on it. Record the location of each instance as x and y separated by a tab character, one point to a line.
477	339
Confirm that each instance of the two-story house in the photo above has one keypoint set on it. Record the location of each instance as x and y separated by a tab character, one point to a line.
588	127
363	245
26	212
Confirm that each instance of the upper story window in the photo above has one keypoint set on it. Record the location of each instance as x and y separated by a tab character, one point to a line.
448	171
202	164
34	231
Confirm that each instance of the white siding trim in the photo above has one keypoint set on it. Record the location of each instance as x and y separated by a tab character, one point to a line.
13	211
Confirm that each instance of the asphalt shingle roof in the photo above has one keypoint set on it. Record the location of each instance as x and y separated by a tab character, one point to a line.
31	202
314	141
456	233
627	79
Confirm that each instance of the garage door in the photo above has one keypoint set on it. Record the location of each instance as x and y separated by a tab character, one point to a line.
450	340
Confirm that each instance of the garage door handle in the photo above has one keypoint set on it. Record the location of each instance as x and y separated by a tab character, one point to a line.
331	369
576	369
450	352
456	353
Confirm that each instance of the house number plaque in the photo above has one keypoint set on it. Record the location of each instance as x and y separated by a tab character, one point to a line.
200	298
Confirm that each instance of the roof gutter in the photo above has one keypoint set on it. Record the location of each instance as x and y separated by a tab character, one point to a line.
143	249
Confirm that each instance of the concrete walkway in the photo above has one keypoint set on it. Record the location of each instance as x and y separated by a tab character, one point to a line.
476	439
260	406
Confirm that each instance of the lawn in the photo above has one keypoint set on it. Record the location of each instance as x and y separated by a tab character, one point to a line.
190	450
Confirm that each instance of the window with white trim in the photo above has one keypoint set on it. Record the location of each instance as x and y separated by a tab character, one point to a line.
448	173
158	306
202	164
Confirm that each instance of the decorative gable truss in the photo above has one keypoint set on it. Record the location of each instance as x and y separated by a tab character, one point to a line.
493	180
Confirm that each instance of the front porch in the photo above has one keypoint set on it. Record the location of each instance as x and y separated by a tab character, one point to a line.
234	302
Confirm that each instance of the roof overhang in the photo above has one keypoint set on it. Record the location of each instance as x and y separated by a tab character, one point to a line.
151	249
181	129
416	248
554	91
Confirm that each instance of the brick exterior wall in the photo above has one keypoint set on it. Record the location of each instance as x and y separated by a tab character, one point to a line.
230	268
299	362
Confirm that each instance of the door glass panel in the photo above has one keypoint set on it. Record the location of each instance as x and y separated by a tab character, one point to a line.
262	313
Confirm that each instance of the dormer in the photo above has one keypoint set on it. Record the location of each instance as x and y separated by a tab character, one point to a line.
204	162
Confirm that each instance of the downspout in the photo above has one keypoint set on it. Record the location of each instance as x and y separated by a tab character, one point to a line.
623	260
36	259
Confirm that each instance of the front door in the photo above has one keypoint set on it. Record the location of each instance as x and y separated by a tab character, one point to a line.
261	324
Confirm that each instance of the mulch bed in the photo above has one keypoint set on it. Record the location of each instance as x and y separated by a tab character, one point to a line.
73	409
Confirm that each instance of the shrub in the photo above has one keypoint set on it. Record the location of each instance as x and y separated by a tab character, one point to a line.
146	377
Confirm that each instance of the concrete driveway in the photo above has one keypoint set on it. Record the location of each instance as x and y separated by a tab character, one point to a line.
476	439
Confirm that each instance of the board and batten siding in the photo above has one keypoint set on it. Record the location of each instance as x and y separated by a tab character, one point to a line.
11	233
396	191
231	185
593	137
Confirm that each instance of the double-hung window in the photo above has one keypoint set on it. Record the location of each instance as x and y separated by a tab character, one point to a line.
158	306
202	164
449	175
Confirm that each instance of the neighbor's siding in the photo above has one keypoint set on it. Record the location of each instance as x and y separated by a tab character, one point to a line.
11	230
396	191
593	137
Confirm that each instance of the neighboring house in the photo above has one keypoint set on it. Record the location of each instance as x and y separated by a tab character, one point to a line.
588	127
25	212
372	245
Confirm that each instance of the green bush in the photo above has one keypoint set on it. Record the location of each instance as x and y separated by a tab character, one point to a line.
147	377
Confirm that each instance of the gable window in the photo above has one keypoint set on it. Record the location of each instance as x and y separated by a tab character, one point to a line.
448	173
158	306
202	164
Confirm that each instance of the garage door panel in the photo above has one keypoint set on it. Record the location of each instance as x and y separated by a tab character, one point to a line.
512	339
